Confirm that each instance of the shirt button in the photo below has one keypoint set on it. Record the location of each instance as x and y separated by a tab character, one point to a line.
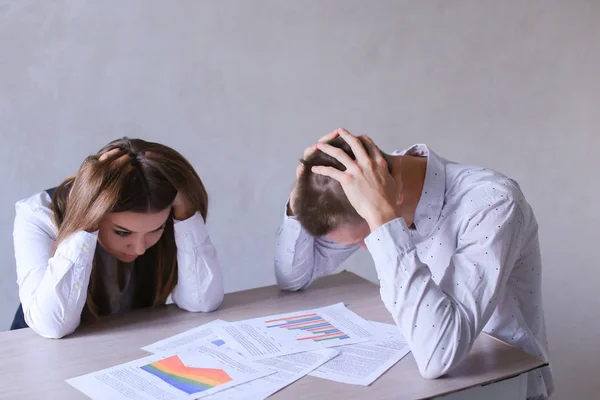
183	234
77	286
86	248
190	271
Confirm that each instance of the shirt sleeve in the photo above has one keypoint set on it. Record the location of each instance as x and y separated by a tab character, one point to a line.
200	281
300	258
441	322
52	289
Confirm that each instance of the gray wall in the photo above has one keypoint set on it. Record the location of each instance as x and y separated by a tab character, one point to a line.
242	87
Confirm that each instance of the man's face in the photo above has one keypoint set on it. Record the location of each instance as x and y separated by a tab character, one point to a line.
350	234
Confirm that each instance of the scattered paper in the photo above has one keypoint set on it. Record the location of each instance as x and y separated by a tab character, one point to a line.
362	364
198	335
272	352
289	369
289	333
191	373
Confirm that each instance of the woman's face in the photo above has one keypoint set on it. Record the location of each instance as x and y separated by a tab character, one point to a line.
127	235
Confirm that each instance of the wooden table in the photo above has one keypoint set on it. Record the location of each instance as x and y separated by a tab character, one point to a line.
34	367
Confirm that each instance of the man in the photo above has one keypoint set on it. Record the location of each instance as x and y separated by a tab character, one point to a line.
455	247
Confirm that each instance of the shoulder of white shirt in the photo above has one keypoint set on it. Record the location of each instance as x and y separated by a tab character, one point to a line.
38	201
39	204
38	209
484	187
484	184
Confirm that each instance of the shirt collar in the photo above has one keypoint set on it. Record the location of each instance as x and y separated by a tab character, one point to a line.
431	202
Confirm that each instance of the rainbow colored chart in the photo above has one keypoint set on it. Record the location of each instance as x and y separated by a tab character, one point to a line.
188	379
319	328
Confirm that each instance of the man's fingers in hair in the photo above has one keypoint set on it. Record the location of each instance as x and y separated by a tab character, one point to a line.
323	139
299	170
308	151
355	144
373	150
330	172
330	136
338	154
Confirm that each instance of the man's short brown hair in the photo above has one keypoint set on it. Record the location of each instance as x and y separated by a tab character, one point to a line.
321	205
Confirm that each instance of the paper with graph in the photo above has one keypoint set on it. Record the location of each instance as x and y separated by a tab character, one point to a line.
198	335
191	373
288	369
289	333
363	363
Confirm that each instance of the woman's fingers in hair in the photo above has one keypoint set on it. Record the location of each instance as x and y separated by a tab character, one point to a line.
109	154
118	156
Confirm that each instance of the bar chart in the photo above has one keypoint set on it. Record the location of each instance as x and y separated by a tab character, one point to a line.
309	327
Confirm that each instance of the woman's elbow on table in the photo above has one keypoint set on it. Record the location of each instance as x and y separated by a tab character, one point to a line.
213	303
202	304
53	333
50	329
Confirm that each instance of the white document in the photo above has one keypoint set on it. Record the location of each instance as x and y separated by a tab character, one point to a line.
289	333
198	335
191	373
289	369
362	364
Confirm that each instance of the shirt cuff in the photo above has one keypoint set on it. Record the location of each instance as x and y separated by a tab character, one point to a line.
285	212
388	241
79	248
290	222
190	233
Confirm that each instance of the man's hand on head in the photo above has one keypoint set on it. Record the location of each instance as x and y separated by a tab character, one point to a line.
367	182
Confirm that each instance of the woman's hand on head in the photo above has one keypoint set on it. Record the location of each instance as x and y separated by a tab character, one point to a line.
117	162
87	202
108	154
182	207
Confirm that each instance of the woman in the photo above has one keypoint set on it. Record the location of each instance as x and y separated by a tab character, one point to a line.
126	232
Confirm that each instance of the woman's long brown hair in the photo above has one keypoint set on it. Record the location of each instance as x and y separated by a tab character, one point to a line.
148	183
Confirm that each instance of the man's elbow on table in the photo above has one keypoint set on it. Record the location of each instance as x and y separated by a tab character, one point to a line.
291	285
442	352
434	370
437	363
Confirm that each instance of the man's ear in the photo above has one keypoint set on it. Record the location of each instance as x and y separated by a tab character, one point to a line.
400	199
